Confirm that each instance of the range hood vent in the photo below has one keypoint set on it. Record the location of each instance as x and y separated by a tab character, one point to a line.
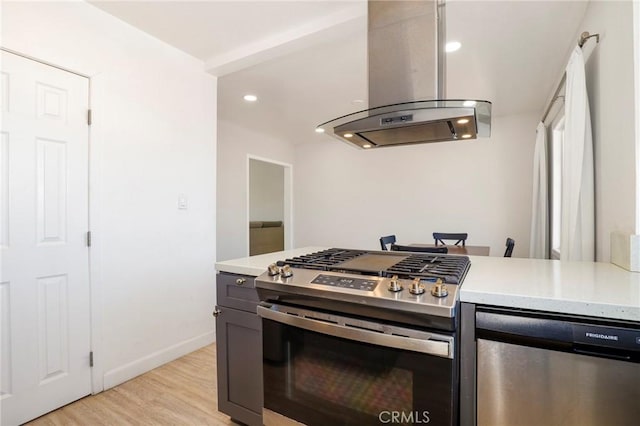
407	67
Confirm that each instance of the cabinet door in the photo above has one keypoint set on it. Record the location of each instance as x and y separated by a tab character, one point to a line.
239	349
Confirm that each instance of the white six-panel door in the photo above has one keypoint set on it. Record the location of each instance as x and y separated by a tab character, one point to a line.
44	284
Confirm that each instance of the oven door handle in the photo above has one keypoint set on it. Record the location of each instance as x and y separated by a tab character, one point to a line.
351	329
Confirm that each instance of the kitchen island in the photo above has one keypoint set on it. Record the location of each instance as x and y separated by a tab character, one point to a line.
545	289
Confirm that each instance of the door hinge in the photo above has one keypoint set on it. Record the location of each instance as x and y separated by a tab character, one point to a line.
91	359
88	238
89	117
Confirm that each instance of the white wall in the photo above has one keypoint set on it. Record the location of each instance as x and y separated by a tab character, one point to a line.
610	83
235	143
266	195
153	138
349	198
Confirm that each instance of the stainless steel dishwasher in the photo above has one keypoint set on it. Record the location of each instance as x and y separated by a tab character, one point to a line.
536	369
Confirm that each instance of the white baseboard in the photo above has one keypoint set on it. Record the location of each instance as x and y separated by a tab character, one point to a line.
140	366
625	251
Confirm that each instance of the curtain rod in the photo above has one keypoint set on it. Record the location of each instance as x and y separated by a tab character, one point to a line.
556	95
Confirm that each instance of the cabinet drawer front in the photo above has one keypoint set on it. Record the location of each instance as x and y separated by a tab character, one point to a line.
237	291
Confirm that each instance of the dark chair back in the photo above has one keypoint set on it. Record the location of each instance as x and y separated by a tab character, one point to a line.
510	243
443	249
384	241
440	238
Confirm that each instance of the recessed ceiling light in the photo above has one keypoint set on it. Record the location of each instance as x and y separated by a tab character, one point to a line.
348	135
357	101
466	136
469	103
319	130
452	46
250	98
366	146
463	121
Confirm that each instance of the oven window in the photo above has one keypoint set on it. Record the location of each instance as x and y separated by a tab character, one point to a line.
320	379
341	379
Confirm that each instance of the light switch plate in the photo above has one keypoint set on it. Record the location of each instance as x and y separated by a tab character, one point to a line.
182	202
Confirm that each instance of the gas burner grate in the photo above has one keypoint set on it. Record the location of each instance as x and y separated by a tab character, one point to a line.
451	269
322	260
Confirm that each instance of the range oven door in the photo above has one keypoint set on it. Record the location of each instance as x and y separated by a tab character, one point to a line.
326	369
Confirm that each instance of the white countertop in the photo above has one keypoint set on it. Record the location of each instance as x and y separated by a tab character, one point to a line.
256	265
581	288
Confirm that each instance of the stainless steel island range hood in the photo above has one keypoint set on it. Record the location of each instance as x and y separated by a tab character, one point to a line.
407	65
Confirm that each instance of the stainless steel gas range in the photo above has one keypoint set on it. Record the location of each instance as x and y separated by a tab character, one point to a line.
359	337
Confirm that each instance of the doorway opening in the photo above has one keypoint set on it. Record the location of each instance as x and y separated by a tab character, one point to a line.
269	206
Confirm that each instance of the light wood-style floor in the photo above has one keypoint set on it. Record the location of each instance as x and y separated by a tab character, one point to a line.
182	392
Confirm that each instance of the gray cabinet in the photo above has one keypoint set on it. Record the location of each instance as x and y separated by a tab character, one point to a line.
239	348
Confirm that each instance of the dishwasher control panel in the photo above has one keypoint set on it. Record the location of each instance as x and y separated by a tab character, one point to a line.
610	337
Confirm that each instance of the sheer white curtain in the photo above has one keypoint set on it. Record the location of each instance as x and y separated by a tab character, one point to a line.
539	242
578	222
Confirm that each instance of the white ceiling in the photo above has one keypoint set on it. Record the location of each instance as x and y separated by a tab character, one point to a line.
219	31
306	60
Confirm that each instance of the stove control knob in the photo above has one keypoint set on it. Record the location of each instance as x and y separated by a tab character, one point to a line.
394	284
416	288
439	289
286	271
273	270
